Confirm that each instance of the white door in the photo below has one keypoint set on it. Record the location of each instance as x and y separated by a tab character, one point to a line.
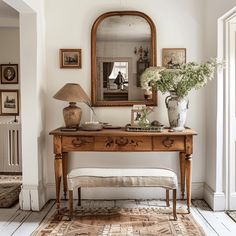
231	66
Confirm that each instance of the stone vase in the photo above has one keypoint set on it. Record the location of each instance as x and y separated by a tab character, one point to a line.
177	111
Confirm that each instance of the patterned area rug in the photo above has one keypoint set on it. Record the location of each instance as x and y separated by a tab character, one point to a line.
232	215
120	222
10	187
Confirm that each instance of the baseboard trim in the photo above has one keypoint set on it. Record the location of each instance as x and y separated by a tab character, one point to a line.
216	200
232	204
32	197
128	193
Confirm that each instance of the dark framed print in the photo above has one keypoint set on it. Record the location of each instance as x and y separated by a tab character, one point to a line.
70	58
9	102
9	73
173	58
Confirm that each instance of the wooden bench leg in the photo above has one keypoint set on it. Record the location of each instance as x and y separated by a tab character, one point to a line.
174	204
70	204
79	196
167	198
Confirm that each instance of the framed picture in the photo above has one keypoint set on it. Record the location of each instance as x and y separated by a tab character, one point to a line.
173	58
136	115
9	73
70	58
9	102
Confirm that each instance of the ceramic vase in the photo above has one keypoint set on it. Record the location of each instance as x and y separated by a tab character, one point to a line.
177	111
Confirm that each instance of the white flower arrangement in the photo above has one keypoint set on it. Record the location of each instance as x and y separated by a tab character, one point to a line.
189	76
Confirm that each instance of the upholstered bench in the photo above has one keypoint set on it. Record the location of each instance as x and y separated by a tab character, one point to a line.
110	177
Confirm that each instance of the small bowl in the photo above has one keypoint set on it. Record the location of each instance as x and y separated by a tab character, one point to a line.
92	126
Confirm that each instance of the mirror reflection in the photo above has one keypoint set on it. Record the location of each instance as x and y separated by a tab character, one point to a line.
123	52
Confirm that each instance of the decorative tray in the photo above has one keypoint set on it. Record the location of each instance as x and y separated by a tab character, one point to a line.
144	128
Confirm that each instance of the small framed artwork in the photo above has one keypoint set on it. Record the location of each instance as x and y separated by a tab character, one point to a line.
9	102
136	116
9	73
70	58
173	58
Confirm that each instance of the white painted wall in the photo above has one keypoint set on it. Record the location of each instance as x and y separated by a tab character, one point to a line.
214	126
9	17
178	23
9	52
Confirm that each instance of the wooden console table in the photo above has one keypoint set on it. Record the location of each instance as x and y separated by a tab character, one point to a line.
119	140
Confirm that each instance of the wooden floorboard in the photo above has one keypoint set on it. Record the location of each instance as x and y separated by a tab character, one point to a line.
6	214
200	219
15	222
33	221
219	221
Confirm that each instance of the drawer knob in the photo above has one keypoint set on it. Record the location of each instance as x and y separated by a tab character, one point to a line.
78	142
168	142
122	141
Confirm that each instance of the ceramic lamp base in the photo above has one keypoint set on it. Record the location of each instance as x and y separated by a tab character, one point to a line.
72	115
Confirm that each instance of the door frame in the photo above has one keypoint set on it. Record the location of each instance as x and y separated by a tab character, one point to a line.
32	195
226	107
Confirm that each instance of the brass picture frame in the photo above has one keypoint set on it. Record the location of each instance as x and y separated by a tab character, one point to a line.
70	58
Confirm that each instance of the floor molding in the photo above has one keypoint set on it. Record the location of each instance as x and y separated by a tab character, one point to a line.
215	200
32	197
232	204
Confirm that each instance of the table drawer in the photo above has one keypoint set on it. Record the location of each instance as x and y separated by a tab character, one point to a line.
168	143
78	143
123	143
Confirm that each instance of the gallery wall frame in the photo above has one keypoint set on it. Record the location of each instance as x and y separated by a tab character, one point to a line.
70	58
9	74
173	58
9	102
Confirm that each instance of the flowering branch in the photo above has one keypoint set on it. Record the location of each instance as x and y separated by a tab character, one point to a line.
189	76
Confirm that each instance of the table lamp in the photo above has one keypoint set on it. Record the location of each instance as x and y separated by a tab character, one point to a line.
72	93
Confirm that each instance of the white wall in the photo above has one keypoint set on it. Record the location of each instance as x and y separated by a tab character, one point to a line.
178	23
10	45
9	53
214	161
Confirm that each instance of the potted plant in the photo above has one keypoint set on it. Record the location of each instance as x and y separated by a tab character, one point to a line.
178	82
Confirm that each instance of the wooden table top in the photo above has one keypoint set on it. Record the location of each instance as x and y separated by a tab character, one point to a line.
120	132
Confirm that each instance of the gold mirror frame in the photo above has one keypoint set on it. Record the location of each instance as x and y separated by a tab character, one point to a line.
97	103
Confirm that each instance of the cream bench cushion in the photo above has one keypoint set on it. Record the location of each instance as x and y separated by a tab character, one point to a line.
113	177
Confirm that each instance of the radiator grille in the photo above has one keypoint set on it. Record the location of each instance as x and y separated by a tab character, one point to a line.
13	147
10	147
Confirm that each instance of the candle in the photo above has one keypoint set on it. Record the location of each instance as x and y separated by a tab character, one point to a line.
91	115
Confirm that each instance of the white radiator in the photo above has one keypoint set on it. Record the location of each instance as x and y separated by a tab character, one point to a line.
10	147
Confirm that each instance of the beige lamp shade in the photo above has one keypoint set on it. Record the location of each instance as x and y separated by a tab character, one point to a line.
72	93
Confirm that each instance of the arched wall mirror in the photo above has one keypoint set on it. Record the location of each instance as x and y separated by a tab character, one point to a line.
123	45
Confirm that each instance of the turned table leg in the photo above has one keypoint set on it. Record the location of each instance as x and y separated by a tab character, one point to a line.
182	173
58	176
65	170
188	164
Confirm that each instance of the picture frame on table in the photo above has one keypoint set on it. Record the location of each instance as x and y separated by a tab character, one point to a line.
70	58
136	115
173	58
9	102
9	74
